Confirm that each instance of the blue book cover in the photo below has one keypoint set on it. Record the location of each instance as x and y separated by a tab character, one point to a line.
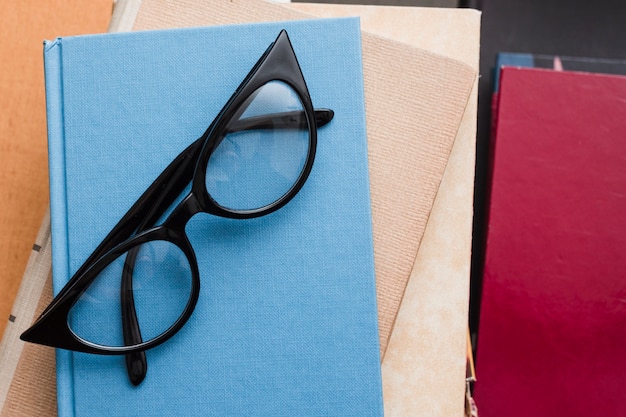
286	322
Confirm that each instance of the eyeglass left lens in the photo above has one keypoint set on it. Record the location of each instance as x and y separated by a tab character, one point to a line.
155	275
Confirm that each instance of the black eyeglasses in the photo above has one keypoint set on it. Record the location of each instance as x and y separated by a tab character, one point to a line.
252	160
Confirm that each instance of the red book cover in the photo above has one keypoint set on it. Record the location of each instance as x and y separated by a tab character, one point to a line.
552	335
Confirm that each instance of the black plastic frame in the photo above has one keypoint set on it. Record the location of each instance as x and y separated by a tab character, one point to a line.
278	63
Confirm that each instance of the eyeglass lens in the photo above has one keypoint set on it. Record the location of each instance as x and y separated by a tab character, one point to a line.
256	164
160	278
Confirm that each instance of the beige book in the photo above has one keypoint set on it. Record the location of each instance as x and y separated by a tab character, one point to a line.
424	367
425	347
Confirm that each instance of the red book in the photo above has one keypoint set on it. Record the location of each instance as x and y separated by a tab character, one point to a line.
552	335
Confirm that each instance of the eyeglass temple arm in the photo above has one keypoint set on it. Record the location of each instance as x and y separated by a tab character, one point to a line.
285	120
136	363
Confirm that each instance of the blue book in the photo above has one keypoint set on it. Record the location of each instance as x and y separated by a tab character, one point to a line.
285	323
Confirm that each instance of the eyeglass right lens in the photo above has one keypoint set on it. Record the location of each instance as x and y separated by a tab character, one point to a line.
155	276
263	153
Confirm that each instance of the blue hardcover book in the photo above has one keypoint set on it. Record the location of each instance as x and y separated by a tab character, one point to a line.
285	322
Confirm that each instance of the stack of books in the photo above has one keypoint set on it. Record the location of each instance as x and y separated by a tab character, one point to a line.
343	302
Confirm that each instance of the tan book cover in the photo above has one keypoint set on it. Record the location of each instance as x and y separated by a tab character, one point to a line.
426	343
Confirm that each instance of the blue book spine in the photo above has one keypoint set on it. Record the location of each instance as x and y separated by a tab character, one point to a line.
58	205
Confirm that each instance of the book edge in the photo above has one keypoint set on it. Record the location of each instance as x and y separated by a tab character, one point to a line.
58	205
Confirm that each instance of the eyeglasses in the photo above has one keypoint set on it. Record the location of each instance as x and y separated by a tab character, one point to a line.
252	160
